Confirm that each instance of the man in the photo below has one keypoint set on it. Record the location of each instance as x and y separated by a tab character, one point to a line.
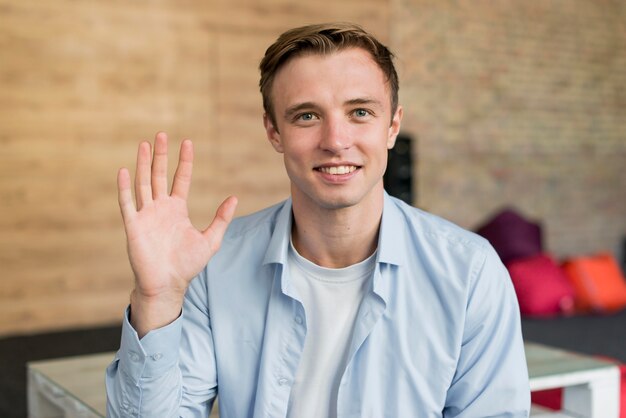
339	302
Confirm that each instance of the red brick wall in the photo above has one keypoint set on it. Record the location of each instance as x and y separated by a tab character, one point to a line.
519	103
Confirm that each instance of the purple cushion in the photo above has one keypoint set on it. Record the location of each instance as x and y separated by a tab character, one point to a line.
512	235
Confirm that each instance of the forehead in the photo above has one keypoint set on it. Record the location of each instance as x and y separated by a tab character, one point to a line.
339	76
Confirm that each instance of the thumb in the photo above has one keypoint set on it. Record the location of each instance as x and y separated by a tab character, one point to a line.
216	230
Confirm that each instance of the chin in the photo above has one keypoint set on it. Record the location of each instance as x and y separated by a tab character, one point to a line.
337	197
336	204
340	201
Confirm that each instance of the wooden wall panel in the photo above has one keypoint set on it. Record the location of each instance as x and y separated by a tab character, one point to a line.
80	84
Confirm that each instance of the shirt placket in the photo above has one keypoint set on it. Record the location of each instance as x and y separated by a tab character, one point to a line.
288	329
349	398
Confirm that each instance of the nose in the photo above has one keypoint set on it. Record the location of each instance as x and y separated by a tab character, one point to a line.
336	135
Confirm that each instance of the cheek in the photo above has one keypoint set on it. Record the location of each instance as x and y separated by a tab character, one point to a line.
300	146
294	153
377	145
296	160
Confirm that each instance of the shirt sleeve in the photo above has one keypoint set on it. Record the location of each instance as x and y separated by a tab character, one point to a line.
170	372
491	377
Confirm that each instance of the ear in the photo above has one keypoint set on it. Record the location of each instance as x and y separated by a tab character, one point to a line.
394	129
272	133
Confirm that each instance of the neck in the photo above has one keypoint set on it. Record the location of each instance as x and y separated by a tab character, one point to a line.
334	237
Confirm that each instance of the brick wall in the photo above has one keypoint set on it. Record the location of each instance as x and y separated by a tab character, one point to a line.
519	103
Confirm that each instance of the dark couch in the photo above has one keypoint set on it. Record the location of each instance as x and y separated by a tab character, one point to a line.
601	335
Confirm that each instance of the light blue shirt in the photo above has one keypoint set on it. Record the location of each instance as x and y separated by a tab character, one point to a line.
437	334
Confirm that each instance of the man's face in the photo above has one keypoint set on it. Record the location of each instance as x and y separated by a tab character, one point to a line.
334	127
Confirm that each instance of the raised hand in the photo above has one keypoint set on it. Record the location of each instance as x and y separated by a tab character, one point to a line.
165	250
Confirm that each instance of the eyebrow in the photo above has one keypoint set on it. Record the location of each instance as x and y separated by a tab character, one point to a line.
299	107
364	101
310	105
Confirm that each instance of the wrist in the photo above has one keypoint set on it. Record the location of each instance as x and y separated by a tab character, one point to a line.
148	313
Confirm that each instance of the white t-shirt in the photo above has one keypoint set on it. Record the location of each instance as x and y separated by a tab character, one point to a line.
331	299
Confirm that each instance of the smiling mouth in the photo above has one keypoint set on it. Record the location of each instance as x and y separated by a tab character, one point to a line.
338	170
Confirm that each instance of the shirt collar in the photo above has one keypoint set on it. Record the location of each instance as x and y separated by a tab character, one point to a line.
392	236
391	239
278	248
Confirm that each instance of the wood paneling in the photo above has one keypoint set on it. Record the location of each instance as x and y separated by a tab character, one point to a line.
81	83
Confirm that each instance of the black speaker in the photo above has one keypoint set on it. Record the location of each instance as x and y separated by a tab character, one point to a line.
398	178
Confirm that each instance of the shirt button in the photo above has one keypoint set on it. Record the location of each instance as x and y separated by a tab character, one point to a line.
298	319
282	381
157	356
134	356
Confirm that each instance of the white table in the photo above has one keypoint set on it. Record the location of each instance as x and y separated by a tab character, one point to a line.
591	386
73	387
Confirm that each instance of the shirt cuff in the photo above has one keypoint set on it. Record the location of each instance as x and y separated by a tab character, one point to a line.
154	354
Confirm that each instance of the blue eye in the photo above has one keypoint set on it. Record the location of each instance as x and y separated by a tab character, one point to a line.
361	113
306	116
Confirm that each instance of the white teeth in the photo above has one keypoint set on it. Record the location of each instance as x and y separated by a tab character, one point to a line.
342	169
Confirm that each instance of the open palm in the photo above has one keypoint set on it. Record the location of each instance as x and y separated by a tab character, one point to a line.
165	250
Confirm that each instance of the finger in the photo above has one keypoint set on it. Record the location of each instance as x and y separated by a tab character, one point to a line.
143	189
182	177
159	166
124	195
215	232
